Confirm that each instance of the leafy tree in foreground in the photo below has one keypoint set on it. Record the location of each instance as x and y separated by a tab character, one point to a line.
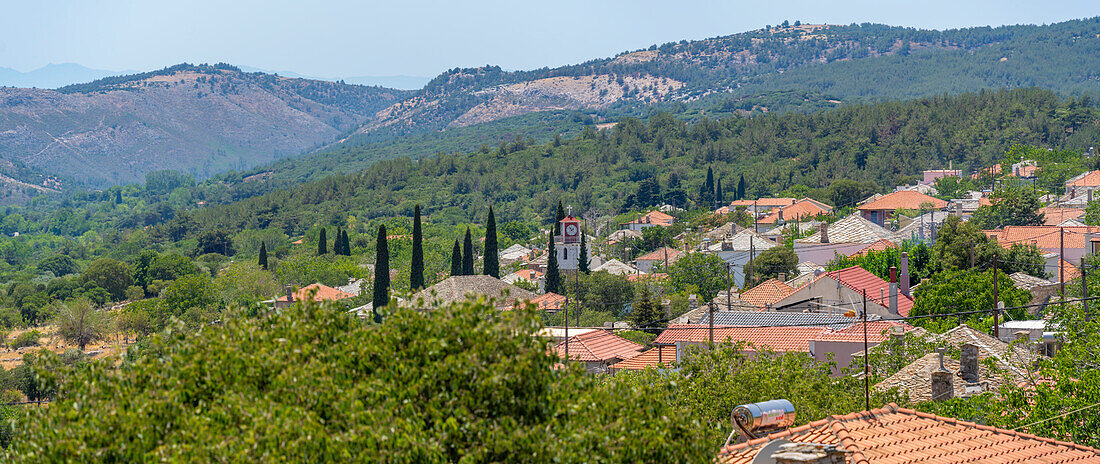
381	274
957	291
492	258
700	273
416	269
1011	206
310	384
772	262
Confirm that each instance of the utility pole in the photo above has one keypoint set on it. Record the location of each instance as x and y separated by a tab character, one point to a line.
566	321
866	362
996	302
1061	261
755	214
710	324
752	263
1084	289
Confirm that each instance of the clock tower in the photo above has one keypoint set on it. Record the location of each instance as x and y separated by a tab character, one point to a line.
569	243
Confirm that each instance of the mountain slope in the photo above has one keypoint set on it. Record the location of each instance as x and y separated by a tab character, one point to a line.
197	119
855	61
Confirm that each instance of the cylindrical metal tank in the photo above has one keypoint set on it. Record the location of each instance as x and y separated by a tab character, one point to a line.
766	414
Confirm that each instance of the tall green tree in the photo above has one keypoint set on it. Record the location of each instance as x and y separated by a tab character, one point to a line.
456	259
741	188
492	258
557	220
263	255
553	275
719	197
322	243
381	274
582	264
772	262
647	310
416	271
468	254
1010	206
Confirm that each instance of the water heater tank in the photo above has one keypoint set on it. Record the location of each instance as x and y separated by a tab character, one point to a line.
765	415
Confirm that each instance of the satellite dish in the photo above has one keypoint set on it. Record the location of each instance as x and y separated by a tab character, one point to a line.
764	456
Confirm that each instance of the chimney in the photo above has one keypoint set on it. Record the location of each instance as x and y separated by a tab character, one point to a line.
903	278
968	359
780	215
893	290
808	453
693	301
943	387
824	232
782	276
1023	336
290	293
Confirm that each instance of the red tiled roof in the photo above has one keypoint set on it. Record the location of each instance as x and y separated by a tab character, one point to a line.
908	199
782	339
659	255
984	201
895	435
994	170
880	245
549	300
324	293
1092	179
653	276
653	357
1054	215
1042	236
877	332
766	293
764	201
859	279
1071	271
653	217
803	209
598	346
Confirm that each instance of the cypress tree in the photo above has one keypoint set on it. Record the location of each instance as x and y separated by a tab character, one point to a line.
718	192
582	265
557	220
263	255
416	272
456	260
553	276
118	196
381	274
347	244
338	242
322	243
468	254
741	187
492	259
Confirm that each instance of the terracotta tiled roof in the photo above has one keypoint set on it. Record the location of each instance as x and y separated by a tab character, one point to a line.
549	300
1055	215
656	276
803	209
878	290
763	202
877	332
1071	271
653	217
653	357
895	435
782	339
1042	236
324	293
880	245
766	293
994	170
1088	179
907	199
598	346
659	255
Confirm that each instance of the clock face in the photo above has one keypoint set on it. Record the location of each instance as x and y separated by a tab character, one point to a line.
571	229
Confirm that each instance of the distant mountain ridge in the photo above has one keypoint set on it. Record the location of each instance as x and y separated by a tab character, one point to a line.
53	76
202	119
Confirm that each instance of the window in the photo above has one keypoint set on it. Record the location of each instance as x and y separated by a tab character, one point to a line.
564	254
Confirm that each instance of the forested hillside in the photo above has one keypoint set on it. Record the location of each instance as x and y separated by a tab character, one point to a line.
200	119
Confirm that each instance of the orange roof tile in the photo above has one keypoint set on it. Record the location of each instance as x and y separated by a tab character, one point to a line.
994	170
877	332
653	217
1054	215
765	201
878	290
1042	236
895	435
803	209
1071	271
660	254
782	339
907	199
880	245
598	346
654	357
766	293
324	293
1092	179
549	300
653	277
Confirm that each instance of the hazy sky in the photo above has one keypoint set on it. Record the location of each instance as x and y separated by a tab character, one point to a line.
341	39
